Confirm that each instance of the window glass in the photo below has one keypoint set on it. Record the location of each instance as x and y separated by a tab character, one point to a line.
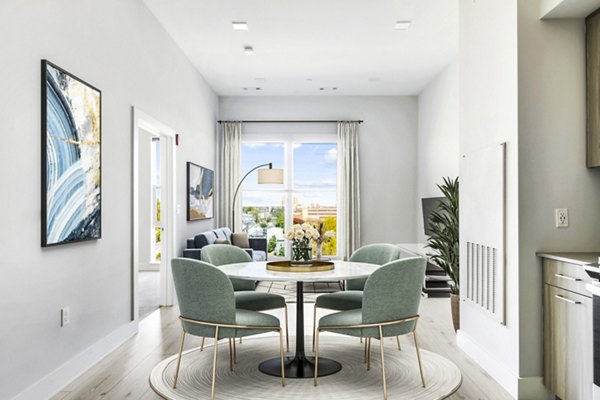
310	196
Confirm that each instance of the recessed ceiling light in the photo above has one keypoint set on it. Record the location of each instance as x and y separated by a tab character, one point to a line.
248	50
374	79
240	25
309	79
402	25
260	79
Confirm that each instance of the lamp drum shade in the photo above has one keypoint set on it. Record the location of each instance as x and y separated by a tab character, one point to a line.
270	176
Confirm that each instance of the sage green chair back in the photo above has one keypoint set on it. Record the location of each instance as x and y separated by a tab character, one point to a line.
393	292
378	253
205	294
221	254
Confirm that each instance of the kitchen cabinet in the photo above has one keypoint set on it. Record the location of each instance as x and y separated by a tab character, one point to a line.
568	319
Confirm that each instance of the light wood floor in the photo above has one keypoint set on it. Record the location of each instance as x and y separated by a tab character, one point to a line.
124	373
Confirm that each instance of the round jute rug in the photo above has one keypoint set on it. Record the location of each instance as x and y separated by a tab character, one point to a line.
353	382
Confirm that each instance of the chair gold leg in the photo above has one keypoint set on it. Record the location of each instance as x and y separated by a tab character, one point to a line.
368	354
316	357
419	358
314	327
234	352
366	342
281	357
398	341
361	340
287	331
214	371
240	340
382	363
202	344
231	354
179	358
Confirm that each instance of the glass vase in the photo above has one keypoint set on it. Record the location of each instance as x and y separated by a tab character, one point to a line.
301	253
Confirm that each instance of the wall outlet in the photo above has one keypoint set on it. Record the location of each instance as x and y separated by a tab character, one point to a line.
562	217
65	316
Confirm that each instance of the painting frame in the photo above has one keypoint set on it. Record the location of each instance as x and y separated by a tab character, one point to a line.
199	192
71	158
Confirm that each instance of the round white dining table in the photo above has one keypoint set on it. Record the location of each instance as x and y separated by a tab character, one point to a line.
299	366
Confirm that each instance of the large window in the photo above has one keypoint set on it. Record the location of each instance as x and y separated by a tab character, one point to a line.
308	193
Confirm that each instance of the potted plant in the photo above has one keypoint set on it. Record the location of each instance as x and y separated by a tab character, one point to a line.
443	224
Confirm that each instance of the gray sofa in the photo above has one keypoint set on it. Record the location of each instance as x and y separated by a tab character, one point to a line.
194	245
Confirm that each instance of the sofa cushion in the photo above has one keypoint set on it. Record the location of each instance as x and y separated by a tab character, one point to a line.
220	233
222	241
204	239
240	240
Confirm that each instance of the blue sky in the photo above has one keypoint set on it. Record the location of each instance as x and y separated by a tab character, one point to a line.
314	168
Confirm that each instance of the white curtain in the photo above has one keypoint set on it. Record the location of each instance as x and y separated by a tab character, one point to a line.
231	151
348	190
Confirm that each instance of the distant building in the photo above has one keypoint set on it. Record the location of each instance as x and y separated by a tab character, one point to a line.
317	212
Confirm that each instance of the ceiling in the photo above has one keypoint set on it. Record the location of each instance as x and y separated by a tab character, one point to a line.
310	47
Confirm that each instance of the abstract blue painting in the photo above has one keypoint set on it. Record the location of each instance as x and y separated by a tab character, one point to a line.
71	132
200	192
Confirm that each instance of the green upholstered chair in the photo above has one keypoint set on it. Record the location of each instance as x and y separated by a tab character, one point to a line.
246	296
207	307
390	307
351	298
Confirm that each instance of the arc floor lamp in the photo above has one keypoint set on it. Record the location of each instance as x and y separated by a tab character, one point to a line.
265	176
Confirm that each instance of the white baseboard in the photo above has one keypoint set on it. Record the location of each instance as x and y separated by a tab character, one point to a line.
506	378
532	388
522	388
52	383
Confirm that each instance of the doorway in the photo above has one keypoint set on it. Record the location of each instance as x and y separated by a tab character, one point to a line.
153	214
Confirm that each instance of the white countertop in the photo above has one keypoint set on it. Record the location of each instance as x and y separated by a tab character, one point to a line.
258	271
580	258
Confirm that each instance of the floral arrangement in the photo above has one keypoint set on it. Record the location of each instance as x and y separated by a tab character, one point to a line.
301	235
324	236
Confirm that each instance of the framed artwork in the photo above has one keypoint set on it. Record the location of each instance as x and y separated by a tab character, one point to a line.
200	192
71	159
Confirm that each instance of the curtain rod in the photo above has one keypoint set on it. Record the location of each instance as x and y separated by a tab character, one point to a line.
288	121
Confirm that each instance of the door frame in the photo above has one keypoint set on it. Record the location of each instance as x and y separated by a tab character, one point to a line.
141	120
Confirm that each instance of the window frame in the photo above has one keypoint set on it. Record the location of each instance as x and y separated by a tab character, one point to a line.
288	140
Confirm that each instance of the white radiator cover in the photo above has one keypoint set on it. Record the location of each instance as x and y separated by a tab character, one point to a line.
482	230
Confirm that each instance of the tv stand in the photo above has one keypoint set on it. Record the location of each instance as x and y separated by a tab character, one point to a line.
437	283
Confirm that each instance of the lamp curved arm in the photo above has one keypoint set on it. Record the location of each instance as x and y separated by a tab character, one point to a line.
270	165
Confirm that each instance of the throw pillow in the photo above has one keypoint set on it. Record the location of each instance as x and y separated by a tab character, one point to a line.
240	240
222	241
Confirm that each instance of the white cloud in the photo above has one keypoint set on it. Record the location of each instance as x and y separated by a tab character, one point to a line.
253	145
331	156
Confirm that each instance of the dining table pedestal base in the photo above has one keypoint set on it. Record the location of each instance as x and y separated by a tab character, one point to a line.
299	367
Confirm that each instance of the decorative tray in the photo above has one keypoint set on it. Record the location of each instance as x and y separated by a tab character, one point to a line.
300	266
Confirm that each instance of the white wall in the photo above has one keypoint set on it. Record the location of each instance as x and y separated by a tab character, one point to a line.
437	144
119	47
388	148
552	161
488	116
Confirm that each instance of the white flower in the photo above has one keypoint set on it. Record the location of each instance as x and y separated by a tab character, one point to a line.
289	235
329	234
299	235
306	226
314	233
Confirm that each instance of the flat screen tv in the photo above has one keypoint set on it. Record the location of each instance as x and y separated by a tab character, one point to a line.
429	204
